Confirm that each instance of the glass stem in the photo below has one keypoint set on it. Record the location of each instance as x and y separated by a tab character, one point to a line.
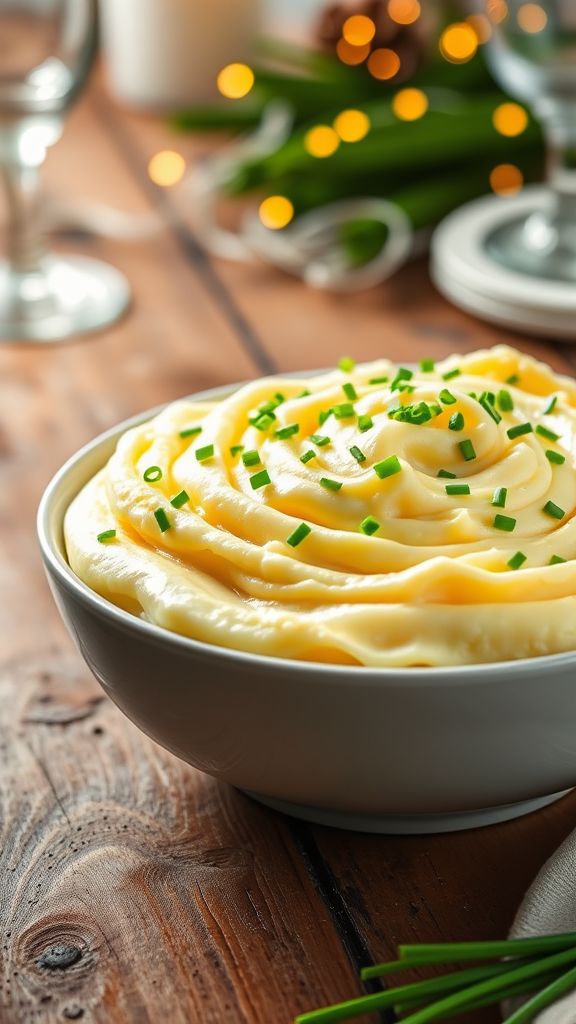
559	120
24	241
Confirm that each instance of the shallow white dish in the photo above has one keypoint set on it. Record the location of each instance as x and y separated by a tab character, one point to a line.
381	750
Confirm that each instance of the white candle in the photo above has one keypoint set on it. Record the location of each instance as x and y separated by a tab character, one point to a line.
167	53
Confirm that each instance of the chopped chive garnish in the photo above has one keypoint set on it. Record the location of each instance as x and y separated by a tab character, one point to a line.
236	449
330	485
457	489
319	439
456	421
310	454
303	394
369	526
279	398
106	535
467	449
357	454
556	560
555	457
251	458
551	405
298	535
379	380
548	434
203	454
506	523
259	480
324	416
505	401
402	374
446	397
522	428
487	403
553	510
153	474
450	374
517	560
427	365
288	431
350	391
162	520
264	421
190	431
365	423
388	467
499	497
180	499
346	364
435	409
343	411
512	379
446	474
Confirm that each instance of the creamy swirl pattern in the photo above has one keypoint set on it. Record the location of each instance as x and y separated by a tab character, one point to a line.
419	517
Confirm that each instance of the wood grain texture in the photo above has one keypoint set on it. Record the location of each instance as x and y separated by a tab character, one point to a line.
132	888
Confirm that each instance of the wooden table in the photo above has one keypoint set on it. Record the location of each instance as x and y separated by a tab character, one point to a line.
133	888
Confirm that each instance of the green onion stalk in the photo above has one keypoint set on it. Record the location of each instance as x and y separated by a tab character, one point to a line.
427	167
540	970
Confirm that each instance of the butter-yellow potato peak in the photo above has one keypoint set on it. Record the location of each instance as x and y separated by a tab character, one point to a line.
375	515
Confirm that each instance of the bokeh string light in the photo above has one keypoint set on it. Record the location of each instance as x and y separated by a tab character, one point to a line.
276	212
404	12
482	27
321	141
383	64
352	125
458	42
166	168
532	18
410	104
506	179
497	10
235	81
510	119
350	54
358	30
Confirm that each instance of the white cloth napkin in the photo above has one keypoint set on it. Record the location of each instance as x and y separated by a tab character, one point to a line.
549	908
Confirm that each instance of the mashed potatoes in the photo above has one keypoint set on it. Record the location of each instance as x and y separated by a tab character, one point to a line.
375	515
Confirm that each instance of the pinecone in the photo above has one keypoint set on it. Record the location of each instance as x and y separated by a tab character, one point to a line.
408	41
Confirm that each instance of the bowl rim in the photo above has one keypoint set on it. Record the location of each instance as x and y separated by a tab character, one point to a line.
448	674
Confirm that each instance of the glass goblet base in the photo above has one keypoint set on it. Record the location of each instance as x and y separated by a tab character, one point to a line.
65	297
535	245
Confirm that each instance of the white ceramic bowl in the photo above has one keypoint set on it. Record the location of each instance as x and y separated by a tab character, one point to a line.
383	750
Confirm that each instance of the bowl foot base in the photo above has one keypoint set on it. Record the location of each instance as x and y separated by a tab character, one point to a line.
408	824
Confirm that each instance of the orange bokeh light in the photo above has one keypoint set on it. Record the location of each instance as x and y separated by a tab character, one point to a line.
404	12
410	104
383	64
349	54
510	119
358	30
458	42
532	18
506	179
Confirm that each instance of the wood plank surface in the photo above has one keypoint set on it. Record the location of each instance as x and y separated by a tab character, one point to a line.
132	888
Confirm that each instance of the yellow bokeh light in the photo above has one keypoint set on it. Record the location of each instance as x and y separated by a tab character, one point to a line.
321	141
410	104
383	64
481	26
404	12
235	81
352	125
358	30
458	42
349	54
510	119
532	18
506	179
276	212
497	10
166	168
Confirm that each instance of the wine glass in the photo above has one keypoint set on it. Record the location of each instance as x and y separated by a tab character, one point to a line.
532	53
46	51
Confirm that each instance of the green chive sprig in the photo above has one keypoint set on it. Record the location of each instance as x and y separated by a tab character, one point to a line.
427	365
369	526
205	453
548	434
457	488
517	560
467	450
162	520
450	374
310	454
555	457
105	536
288	431
190	431
505	523
550	405
346	364
153	474
388	467
259	480
499	497
554	511
180	499
298	535
365	423
357	453
251	458
350	391
456	421
330	485
543	967
519	430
